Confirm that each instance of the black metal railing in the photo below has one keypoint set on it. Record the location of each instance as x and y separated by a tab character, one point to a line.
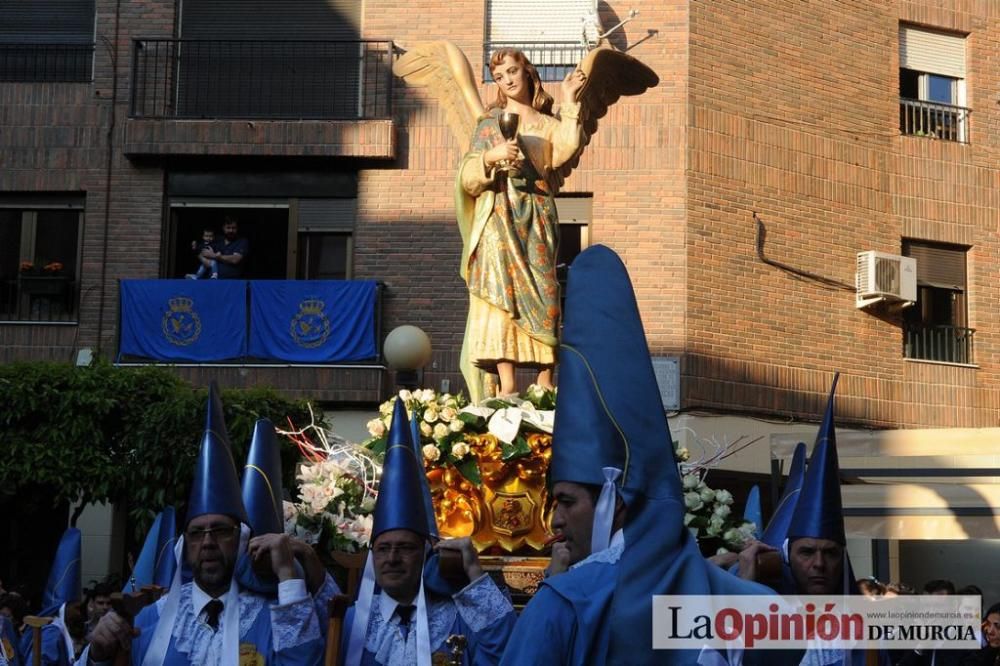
330	80
553	60
934	120
949	344
38	298
46	62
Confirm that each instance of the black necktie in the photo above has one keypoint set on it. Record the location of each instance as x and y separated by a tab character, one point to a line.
405	613
213	609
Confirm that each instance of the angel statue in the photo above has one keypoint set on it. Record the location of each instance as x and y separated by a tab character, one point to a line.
505	190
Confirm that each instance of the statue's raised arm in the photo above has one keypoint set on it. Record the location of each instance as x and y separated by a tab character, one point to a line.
505	189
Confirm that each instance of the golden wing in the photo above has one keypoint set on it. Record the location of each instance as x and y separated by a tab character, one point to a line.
443	69
610	75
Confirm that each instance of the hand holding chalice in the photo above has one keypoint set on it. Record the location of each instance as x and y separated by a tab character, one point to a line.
508	122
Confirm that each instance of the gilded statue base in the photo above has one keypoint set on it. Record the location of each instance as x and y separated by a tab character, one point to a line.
507	511
522	575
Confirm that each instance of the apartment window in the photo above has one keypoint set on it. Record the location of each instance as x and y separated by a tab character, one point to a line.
40	259
552	34
46	41
326	239
932	87
936	328
575	213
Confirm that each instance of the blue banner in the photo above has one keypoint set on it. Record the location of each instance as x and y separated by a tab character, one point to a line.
184	320
319	321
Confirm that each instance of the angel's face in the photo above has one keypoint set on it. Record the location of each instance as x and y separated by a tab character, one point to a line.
510	76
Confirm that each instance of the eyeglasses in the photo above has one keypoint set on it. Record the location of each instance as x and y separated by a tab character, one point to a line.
404	549
218	534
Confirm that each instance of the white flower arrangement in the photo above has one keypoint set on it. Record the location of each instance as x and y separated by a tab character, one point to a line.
338	483
449	425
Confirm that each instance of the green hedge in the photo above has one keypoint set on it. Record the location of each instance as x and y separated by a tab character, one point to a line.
122	435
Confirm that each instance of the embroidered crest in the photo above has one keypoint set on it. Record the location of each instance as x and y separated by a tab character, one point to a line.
181	324
249	655
310	327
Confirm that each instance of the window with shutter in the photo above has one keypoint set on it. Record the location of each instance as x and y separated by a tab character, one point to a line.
936	328
47	41
932	90
553	34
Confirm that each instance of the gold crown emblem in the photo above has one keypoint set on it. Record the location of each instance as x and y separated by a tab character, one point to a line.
181	304
312	306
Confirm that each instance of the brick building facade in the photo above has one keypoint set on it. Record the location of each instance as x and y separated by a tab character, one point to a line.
790	110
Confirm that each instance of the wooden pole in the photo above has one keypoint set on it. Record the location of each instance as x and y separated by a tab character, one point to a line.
36	623
335	628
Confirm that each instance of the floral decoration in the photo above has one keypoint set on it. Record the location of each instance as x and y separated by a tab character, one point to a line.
338	482
451	428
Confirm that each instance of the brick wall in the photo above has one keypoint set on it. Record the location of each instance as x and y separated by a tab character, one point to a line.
787	108
794	115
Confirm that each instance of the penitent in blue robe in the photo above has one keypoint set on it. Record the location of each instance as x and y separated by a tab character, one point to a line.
480	612
566	621
54	649
285	635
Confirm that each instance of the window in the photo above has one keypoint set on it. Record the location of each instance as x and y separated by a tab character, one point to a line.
574	232
550	33
326	243
932	90
937	328
46	41
40	259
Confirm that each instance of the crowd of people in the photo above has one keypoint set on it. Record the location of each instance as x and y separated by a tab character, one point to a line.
240	591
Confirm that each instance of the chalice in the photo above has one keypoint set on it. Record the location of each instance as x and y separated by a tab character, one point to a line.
508	122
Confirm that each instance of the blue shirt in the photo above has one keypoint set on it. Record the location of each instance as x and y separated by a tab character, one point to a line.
240	246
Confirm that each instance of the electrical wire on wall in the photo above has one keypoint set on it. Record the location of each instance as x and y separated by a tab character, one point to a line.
825	282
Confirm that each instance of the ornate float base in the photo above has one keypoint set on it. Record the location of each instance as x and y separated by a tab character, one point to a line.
521	575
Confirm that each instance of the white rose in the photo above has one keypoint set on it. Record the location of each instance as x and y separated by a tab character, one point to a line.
718	523
425	429
692	501
427	395
723	496
405	395
458	425
707	494
747	530
431	452
732	535
722	510
460	449
722	551
449	414
430	415
376	428
688	517
440	431
691	481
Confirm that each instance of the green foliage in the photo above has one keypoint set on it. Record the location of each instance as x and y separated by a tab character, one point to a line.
120	435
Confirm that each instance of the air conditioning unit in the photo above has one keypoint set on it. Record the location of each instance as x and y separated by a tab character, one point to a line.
884	277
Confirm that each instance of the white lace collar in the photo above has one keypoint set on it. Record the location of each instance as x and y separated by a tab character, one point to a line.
611	554
385	640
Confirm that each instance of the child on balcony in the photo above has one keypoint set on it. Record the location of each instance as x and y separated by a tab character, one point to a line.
202	249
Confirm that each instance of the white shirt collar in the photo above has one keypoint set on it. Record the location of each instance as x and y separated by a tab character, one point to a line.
387	605
200	597
617	539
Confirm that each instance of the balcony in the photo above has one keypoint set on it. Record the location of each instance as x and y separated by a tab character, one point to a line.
301	98
553	60
38	299
934	120
945	344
